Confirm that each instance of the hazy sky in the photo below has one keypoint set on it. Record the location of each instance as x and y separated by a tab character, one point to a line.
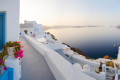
71	12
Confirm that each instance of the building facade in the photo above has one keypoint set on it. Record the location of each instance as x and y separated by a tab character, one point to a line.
9	21
118	59
31	28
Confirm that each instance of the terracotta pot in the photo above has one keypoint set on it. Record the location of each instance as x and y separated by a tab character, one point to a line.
100	70
11	51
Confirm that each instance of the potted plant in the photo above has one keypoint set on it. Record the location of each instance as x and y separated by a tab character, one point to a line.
11	49
100	68
3	56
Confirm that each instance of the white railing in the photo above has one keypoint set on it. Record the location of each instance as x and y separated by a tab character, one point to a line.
61	68
93	65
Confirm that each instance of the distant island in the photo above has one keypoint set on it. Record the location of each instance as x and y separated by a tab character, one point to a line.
57	27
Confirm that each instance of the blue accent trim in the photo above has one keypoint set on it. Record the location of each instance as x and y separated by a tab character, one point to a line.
4	76
3	14
8	74
3	28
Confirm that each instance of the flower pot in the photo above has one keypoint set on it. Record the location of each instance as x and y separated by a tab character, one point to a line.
100	70
11	51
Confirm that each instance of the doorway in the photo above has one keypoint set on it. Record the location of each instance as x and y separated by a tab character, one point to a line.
2	30
25	32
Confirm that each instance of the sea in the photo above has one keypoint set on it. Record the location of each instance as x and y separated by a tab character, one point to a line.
95	42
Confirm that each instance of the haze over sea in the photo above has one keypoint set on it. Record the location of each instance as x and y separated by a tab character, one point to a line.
95	42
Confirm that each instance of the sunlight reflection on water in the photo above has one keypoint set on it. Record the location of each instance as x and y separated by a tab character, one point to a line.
93	41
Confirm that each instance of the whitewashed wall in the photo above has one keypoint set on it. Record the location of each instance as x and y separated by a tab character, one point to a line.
38	28
48	37
61	68
54	45
28	30
93	65
118	57
11	9
31	26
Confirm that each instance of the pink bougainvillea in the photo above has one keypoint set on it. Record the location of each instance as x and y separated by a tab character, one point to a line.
19	54
19	42
22	46
5	68
1	61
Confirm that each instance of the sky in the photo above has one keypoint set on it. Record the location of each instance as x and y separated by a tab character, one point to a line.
71	12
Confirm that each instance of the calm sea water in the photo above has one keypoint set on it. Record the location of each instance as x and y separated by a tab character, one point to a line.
93	41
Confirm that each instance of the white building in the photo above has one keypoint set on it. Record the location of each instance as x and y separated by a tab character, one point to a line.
27	27
31	28
9	21
9	30
54	45
38	29
118	59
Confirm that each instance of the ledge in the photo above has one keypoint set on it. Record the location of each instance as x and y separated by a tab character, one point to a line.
61	69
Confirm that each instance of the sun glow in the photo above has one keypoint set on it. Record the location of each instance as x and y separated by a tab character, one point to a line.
70	12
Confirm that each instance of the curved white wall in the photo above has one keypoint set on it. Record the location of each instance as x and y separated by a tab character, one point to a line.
93	65
61	69
54	45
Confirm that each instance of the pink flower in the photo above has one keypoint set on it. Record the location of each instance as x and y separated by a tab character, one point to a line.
5	68
7	53
17	53
16	56
19	58
19	42
21	51
22	46
1	62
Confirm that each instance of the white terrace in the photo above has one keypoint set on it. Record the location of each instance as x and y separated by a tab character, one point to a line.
34	66
41	62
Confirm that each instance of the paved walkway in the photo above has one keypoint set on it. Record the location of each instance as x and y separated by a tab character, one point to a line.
34	66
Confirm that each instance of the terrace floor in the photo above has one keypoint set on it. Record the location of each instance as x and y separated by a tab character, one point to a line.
34	66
